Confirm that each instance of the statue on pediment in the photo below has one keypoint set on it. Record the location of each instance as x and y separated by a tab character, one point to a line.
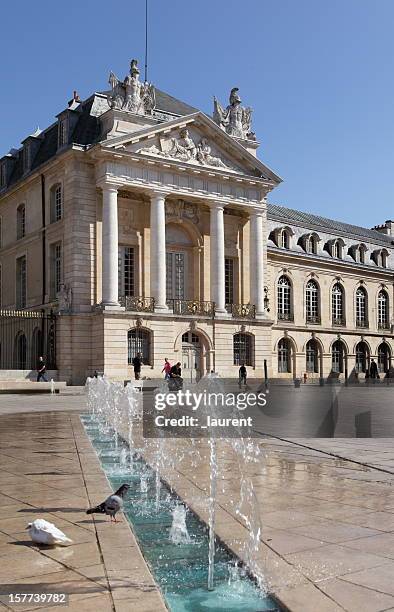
130	94
235	120
185	149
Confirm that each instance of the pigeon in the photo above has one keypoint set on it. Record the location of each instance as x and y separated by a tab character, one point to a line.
112	504
43	532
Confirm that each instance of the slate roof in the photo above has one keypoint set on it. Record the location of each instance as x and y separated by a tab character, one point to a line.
87	130
315	222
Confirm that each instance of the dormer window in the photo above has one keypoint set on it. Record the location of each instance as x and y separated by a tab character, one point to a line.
309	242
62	132
337	250
284	239
311	245
357	251
379	256
26	158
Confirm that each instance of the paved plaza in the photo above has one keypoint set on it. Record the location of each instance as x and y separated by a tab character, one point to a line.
327	509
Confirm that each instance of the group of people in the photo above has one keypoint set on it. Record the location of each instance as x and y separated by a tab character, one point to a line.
171	373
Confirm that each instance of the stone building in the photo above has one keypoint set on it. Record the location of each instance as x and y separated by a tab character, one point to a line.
144	224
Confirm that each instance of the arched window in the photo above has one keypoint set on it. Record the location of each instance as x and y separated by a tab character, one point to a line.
362	357
337	304
383	310
337	249
384	358
284	239
361	308
285	312
20	221
312	302
284	356
383	259
20	351
36	346
361	254
311	245
243	349
139	341
312	356
338	357
56	202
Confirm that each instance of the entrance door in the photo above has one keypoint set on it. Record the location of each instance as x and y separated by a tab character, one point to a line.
191	357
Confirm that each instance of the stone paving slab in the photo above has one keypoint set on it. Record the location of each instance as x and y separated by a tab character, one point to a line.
48	469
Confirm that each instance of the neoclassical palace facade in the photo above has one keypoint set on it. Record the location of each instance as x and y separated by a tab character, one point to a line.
144	224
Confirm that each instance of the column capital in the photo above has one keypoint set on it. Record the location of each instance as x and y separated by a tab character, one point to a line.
256	212
106	185
157	193
217	205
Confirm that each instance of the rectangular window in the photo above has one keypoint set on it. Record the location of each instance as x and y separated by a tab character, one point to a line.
55	269
126	271
175	280
229	280
21	282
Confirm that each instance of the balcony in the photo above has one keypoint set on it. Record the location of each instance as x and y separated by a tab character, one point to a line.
362	323
137	304
383	325
241	311
285	316
339	321
192	307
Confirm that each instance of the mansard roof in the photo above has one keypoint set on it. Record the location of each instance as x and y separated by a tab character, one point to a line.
87	129
286	215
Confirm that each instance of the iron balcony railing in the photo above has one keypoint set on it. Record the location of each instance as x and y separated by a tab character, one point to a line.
192	307
285	316
315	319
340	321
241	311
362	323
383	325
137	304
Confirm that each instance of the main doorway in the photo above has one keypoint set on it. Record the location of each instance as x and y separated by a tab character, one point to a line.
191	357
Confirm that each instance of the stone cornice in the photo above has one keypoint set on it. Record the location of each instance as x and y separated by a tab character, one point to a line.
316	263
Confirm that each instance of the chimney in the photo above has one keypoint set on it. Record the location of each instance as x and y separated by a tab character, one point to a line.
387	228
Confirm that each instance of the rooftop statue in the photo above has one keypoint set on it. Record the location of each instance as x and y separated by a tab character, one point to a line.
130	94
236	120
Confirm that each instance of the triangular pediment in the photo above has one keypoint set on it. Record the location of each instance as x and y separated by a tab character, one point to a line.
193	140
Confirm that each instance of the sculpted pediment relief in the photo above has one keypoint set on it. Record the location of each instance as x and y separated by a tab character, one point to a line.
187	147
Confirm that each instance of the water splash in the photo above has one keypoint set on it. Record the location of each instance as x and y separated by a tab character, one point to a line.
178	532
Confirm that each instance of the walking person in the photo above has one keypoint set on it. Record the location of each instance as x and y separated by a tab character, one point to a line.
137	363
373	369
41	370
166	369
176	380
242	375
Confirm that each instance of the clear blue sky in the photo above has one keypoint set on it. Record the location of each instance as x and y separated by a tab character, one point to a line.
319	75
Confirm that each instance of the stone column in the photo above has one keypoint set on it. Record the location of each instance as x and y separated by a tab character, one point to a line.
257	261
217	256
110	295
158	250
